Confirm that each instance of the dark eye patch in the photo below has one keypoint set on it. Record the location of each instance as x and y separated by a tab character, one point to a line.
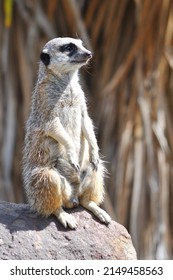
71	48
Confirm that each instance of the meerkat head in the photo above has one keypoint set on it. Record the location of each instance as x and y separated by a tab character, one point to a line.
64	55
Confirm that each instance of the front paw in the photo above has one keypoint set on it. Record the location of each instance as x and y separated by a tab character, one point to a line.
73	161
95	162
75	165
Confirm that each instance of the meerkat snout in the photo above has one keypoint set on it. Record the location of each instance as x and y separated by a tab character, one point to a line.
88	55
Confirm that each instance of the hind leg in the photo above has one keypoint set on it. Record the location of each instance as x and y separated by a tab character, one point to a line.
65	219
92	193
47	192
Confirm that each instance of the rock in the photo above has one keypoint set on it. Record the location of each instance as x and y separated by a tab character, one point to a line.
24	235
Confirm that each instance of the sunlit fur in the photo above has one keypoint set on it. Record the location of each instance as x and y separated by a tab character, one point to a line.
61	164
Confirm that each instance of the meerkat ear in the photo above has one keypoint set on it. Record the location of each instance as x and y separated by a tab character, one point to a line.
45	58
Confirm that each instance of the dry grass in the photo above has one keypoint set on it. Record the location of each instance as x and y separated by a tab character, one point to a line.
130	87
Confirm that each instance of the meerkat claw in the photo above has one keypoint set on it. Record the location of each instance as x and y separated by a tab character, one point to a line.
66	219
95	164
76	167
104	217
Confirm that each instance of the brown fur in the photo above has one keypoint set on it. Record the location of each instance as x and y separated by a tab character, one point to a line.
61	162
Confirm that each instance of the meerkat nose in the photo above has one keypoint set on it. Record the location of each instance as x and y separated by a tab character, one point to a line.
89	54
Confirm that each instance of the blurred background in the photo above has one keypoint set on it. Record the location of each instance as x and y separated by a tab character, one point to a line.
129	87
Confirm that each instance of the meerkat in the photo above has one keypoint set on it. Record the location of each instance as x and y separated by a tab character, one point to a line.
61	164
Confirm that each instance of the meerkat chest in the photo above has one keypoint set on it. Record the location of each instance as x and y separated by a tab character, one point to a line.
70	112
70	116
69	101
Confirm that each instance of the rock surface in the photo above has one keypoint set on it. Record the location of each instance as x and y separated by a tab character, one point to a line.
24	235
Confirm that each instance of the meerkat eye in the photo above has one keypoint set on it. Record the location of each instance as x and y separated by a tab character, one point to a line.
45	58
68	48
